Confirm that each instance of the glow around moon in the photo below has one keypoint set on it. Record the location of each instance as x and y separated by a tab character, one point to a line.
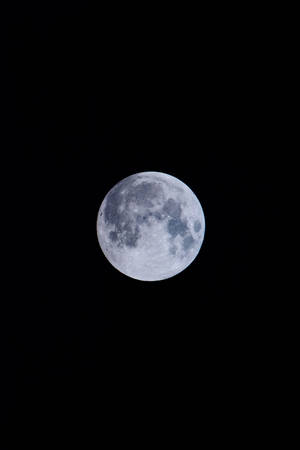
150	226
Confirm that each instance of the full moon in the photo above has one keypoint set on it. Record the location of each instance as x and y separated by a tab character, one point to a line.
150	226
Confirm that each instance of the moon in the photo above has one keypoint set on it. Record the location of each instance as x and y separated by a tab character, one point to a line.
150	226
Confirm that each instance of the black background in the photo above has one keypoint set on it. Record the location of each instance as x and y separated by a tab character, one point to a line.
95	96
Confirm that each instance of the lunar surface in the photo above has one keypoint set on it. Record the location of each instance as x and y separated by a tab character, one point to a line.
150	226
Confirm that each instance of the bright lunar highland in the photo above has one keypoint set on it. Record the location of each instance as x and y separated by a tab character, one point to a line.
150	226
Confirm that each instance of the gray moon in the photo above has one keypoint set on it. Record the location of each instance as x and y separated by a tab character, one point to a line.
150	226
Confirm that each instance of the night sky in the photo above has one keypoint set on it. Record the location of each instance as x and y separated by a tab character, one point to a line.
94	98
